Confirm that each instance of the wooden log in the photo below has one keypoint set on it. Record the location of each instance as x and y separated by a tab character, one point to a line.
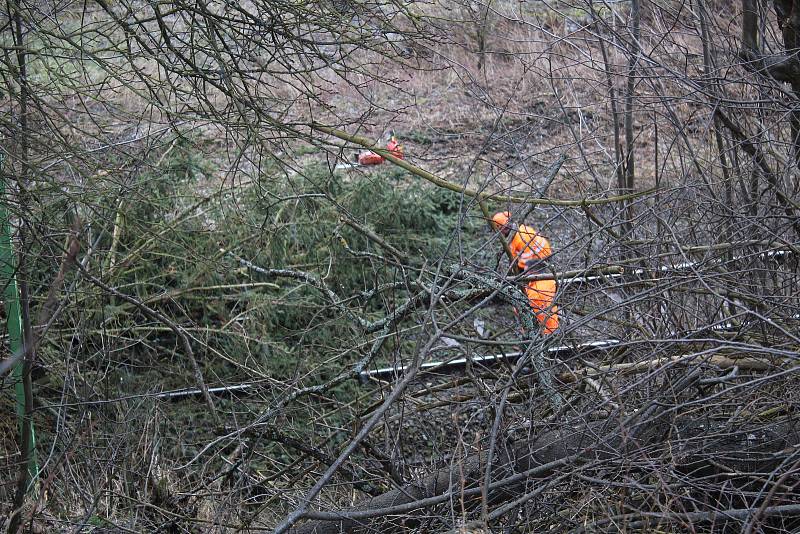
746	450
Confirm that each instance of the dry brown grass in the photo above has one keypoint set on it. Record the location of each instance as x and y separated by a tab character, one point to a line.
540	92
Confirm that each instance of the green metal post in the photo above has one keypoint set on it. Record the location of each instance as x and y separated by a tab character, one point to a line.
8	279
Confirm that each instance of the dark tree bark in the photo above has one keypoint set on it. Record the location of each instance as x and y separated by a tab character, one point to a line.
784	68
703	450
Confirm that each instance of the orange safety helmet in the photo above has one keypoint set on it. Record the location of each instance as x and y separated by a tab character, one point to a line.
395	148
500	219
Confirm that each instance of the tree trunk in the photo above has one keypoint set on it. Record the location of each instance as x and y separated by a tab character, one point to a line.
703	450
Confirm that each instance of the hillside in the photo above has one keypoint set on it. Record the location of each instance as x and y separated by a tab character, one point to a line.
226	326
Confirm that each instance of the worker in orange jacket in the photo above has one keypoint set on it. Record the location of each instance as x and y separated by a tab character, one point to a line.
530	250
368	157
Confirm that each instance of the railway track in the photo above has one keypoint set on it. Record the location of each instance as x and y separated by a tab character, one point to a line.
560	352
607	274
456	364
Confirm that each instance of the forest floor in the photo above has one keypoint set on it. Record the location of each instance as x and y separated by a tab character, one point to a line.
500	126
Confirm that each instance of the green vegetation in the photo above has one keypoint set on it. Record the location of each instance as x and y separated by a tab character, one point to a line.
168	254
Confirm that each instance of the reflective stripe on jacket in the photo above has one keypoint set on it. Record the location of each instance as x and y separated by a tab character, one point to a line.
529	247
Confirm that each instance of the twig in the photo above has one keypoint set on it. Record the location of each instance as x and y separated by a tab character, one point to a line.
718	517
516	298
372	236
157	316
480	195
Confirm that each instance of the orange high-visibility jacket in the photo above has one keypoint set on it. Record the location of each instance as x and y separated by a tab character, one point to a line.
528	246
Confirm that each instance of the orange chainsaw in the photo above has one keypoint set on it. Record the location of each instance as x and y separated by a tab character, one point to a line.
368	157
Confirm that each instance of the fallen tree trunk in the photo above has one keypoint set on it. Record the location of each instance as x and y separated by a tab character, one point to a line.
702	450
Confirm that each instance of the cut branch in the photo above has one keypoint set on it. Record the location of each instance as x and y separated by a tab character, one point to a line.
542	457
479	195
178	331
